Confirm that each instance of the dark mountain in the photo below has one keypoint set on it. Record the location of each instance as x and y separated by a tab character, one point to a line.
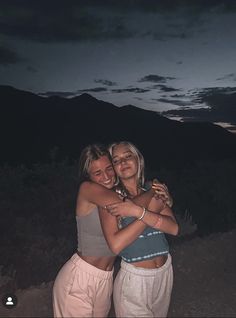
33	128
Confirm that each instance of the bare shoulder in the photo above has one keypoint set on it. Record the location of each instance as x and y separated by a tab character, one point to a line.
85	186
84	204
88	186
88	190
84	191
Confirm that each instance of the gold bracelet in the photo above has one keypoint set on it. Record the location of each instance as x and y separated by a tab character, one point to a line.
141	217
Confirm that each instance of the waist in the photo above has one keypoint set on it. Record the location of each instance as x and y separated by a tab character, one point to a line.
146	271
104	263
152	263
93	245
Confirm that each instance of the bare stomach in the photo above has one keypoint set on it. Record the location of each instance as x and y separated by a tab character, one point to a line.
104	263
152	263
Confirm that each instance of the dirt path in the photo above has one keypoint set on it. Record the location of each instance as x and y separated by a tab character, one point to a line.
205	277
204	283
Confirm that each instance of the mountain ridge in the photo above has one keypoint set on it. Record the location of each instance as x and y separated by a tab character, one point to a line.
31	126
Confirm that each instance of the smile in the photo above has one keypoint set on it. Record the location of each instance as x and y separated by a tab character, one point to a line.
107	182
126	168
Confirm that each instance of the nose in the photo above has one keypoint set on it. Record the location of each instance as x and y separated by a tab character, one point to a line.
123	160
105	176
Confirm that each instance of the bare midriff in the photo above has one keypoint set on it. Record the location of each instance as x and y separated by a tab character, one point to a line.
104	263
152	263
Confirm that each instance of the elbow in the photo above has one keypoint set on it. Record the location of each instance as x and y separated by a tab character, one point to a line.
115	247
176	230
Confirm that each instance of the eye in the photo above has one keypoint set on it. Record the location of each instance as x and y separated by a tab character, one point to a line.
116	161
130	156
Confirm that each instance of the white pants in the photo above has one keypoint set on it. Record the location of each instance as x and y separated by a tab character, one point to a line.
140	292
82	290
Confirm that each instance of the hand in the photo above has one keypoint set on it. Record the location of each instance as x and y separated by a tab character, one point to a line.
123	209
162	192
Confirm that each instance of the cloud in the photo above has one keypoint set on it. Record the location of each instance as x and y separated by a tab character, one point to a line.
105	82
176	102
230	76
218	106
156	78
31	69
57	93
202	96
178	95
60	21
95	90
8	56
130	90
72	94
79	20
165	88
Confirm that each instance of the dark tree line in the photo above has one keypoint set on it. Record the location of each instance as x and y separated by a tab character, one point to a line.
37	225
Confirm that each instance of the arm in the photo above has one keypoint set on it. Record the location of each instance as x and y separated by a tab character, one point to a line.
117	239
156	202
90	192
101	196
144	199
158	215
164	221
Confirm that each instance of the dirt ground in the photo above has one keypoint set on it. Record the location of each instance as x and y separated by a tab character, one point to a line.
204	282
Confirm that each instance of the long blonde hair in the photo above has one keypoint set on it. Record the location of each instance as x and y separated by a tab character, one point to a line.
139	157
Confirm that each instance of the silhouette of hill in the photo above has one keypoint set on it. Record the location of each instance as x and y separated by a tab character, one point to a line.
33	128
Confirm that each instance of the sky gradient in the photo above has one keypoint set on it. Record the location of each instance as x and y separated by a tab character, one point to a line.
168	56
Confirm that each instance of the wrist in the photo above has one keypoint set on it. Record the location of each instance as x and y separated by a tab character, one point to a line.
142	215
139	212
158	221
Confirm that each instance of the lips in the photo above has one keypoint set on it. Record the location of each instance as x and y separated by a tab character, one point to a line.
108	183
125	168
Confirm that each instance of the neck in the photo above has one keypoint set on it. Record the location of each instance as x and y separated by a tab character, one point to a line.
131	186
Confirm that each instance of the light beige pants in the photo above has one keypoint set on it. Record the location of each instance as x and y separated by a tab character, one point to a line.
140	292
82	290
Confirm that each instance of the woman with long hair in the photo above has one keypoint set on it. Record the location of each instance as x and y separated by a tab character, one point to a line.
143	285
83	286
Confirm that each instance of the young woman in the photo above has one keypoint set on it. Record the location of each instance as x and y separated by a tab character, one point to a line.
143	285
83	286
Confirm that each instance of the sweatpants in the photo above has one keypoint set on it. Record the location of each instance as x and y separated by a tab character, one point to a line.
140	292
82	290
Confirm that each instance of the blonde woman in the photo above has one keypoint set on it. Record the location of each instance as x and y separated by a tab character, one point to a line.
143	285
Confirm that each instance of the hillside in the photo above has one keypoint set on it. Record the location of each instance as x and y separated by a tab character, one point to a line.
39	129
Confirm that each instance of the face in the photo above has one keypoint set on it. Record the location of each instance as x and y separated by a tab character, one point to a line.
102	172
124	162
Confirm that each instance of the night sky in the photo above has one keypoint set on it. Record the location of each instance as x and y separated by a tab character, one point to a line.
175	56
